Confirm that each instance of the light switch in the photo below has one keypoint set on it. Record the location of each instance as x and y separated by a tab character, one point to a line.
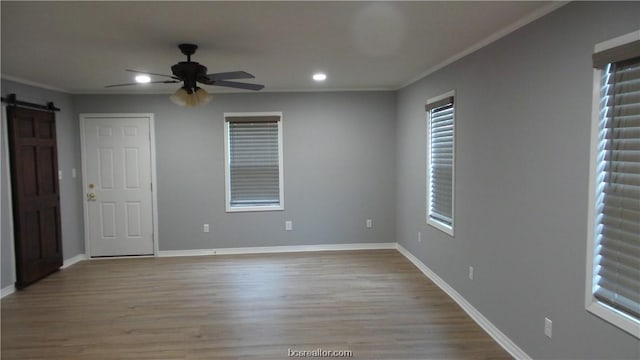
59	174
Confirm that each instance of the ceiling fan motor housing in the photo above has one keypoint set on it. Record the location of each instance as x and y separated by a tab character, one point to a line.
189	72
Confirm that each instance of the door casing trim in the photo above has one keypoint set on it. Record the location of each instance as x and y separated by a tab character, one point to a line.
154	186
9	199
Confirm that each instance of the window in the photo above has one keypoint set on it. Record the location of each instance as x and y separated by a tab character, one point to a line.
613	263
253	161
440	162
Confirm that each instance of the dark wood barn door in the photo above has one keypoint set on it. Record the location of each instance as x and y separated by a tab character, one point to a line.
35	193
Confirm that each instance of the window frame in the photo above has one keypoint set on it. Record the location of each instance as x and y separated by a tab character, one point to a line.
593	305
227	176
446	228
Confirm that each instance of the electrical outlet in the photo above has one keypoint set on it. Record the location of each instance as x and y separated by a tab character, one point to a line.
548	327
205	228
419	236
59	174
369	223
288	225
470	272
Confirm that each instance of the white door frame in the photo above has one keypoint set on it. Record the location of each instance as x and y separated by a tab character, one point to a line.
154	187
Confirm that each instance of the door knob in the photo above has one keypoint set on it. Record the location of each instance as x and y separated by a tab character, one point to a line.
91	196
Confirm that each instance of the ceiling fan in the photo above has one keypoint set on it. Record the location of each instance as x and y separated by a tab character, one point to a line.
190	73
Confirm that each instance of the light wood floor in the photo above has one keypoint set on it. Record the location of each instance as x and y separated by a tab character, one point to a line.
373	303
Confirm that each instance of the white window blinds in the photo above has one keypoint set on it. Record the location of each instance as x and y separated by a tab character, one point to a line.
441	161
253	161
617	235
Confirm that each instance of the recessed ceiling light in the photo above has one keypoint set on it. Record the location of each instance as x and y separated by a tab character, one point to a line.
143	79
319	77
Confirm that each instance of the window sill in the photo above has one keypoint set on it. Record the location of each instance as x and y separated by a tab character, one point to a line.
615	318
440	226
254	208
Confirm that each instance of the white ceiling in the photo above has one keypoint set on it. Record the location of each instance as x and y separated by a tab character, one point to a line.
79	47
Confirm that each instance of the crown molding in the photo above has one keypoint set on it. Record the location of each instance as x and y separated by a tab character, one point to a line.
490	39
33	83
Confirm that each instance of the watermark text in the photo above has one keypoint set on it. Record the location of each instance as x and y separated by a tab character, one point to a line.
320	353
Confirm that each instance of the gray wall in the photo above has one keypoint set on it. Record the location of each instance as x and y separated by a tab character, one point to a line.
70	189
523	107
339	168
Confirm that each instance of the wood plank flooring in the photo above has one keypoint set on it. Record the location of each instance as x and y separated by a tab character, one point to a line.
375	304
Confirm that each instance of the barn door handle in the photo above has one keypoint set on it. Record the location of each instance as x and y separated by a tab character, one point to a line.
91	196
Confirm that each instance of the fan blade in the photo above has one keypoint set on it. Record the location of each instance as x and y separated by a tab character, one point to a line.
150	73
152	82
230	75
237	85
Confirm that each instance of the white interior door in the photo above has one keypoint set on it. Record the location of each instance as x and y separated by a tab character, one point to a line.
117	181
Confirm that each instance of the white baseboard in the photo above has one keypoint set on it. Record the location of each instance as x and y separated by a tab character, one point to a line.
73	260
278	249
8	290
480	319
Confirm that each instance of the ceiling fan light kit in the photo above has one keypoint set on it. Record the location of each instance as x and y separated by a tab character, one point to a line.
202	96
189	98
190	73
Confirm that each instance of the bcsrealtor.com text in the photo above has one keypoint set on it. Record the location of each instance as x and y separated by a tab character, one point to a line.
319	353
